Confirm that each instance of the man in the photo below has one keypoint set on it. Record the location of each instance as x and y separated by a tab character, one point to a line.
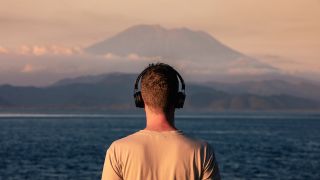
160	151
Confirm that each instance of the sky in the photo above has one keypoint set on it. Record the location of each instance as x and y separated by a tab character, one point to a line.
44	37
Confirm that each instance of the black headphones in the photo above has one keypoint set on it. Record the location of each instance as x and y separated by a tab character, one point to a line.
181	96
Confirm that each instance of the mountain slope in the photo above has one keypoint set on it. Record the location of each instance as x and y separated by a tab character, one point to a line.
103	78
154	40
271	87
195	49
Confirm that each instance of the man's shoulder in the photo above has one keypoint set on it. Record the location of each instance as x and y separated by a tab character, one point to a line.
142	137
196	142
128	139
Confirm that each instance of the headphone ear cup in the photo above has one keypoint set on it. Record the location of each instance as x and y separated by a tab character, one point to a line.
180	100
138	100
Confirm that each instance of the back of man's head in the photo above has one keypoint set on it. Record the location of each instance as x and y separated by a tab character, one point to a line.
159	87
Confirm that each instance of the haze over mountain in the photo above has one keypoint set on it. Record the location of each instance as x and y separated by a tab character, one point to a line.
197	55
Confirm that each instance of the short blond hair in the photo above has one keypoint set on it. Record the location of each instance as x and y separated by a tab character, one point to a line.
159	87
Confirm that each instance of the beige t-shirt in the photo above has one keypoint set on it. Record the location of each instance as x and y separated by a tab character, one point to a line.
165	155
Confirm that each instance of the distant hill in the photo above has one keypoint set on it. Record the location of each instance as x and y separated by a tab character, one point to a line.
115	92
4	103
302	89
110	78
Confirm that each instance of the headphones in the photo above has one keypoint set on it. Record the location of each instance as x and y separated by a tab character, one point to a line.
181	96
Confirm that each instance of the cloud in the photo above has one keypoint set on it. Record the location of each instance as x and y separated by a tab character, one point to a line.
3	50
24	50
38	50
137	57
134	56
43	65
288	65
111	56
29	68
246	71
64	50
130	57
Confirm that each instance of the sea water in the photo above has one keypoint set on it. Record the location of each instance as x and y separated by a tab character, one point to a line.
73	146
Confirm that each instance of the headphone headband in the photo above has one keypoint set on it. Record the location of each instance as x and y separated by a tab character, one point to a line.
152	65
138	97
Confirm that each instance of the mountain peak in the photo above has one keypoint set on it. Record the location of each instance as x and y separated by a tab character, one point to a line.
155	40
179	44
146	27
159	28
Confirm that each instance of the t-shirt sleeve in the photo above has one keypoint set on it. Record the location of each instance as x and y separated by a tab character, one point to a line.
111	168
211	169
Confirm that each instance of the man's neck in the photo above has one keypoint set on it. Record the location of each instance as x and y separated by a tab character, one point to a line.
159	121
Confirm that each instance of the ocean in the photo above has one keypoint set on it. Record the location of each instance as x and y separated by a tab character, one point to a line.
246	145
